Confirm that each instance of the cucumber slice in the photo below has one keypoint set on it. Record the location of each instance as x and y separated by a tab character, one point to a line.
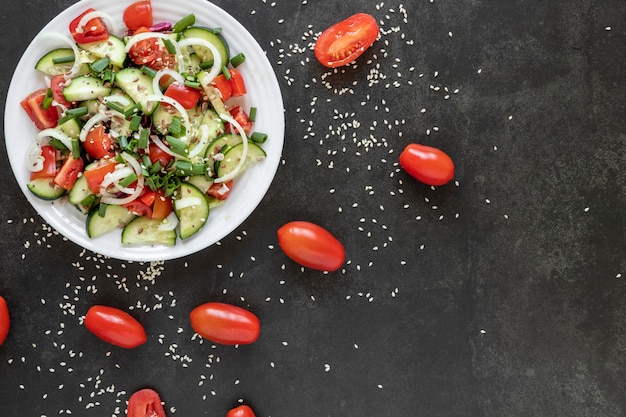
84	88
71	128
45	188
191	218
233	156
47	66
221	144
79	192
115	217
143	230
138	86
201	182
112	48
208	35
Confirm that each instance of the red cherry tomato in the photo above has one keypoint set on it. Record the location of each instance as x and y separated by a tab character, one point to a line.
138	14
43	118
241	411
162	206
95	176
157	154
93	30
49	170
145	403
311	246
429	165
187	97
68	174
115	326
98	143
345	41
57	83
225	324
5	320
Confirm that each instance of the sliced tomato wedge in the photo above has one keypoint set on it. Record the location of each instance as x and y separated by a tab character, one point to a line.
67	175
345	41
93	31
187	97
98	143
223	86
237	83
157	154
151	53
96	175
49	170
56	84
241	117
162	206
221	191
43	118
139	208
145	403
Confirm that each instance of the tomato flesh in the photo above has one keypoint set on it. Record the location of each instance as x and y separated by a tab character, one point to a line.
429	165
155	153
98	143
5	320
225	324
311	246
145	403
162	206
138	14
95	176
241	117
221	191
43	118
345	41
241	411
56	84
94	30
187	97
49	170
151	53
115	326
68	174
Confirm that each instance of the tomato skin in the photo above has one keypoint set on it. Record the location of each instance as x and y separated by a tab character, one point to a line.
138	14
225	324
56	84
237	83
151	53
311	246
139	208
429	165
43	119
241	411
345	41
98	143
68	174
93	31
162	206
145	403
115	326
218	191
49	163
95	176
5	320
224	86
157	154
187	97
241	117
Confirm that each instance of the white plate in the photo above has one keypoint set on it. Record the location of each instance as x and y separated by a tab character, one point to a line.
263	93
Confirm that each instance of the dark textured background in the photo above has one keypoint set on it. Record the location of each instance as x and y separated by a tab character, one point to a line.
499	295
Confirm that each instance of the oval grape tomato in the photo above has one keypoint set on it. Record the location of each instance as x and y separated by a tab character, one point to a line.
145	403
225	324
241	411
138	15
345	41
115	326
311	246
429	165
5	320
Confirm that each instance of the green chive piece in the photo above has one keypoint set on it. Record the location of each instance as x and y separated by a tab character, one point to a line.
115	106
226	72
252	115
258	137
125	182
206	64
57	144
108	76
88	201
156	167
75	149
169	46
177	146
64	59
144	139
135	122
175	126
198	169
184	23
184	167
217	30
123	141
77	112
100	65
148	71
102	210
132	110
47	100
238	59
193	84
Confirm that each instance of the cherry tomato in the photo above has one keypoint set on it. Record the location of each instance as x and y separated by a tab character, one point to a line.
5	320
43	118
220	190
151	53
223	86
162	206
94	29
429	165
157	154
311	246
115	326
57	83
225	324
98	143
138	14
49	170
68	174
187	97
95	176
241	117
345	41
241	411
139	208
145	403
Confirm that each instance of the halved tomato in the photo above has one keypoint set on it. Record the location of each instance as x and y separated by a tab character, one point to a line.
98	143
138	14
345	41
43	118
92	31
68	173
49	169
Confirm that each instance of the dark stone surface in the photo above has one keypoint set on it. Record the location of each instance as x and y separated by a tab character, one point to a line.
501	295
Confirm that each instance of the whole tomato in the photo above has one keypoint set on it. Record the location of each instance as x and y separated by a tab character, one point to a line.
115	326
429	165
311	246
145	403
225	324
5	320
241	411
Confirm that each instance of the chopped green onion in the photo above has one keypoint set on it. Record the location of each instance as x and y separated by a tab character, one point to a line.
176	145
75	148
258	137
123	141
102	210
135	122
156	167
184	167
252	115
184	23
148	71
88	201
206	64
169	46
237	59
64	59
176	126
57	144
47	100
198	169
108	76
100	65
216	30
115	106
135	108
150	183
77	112
128	180
144	139
193	84
226	72
170	186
